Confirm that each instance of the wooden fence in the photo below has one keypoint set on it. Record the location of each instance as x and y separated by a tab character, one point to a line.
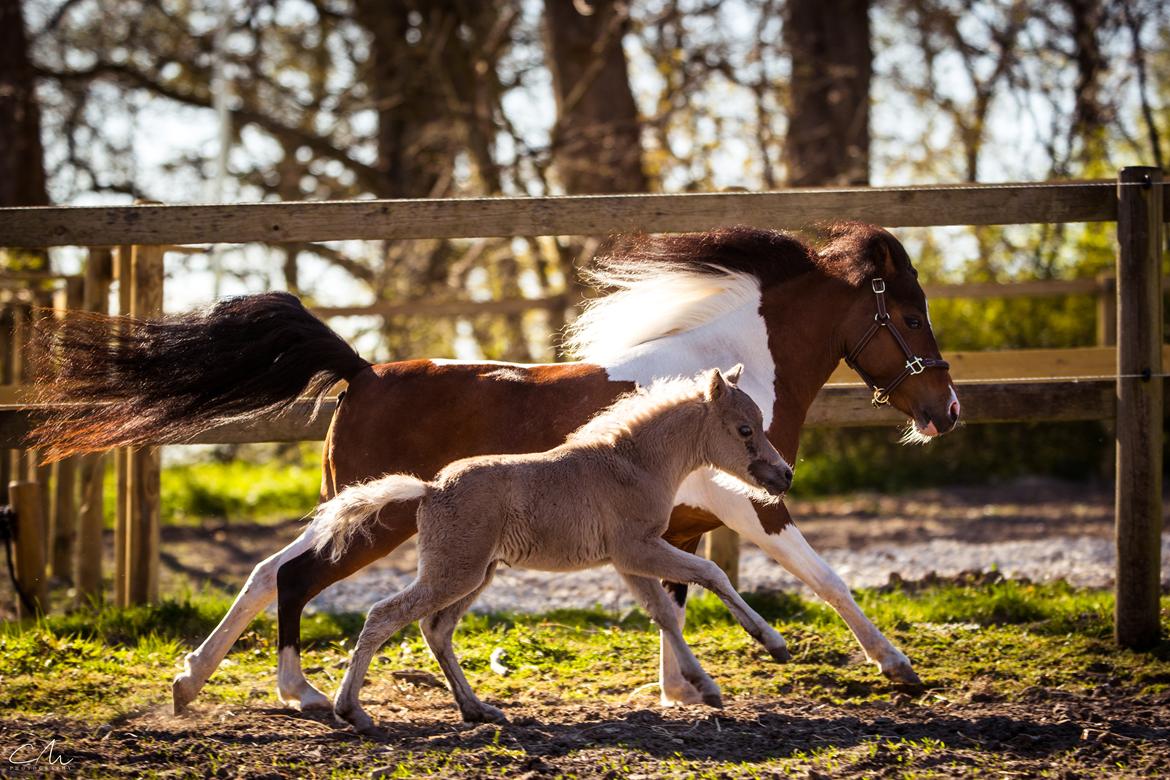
1120	383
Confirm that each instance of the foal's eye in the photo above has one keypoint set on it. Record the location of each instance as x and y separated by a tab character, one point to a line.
745	431
914	322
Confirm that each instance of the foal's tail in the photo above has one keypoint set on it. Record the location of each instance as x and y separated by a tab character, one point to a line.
119	381
355	509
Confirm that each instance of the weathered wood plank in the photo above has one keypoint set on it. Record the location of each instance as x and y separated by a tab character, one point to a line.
979	204
29	558
836	405
1139	409
1021	364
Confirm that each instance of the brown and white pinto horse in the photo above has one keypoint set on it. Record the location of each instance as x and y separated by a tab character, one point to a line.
788	311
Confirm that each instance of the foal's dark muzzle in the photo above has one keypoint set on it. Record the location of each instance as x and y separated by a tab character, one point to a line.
775	478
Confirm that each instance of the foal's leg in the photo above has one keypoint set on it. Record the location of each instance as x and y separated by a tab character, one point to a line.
256	594
437	630
425	596
302	576
657	558
662	611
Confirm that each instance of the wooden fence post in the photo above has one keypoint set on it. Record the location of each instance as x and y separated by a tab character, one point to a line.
723	551
6	328
121	454
144	464
63	507
30	546
1139	407
98	274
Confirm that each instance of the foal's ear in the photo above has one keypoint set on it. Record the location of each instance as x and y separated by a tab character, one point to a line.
717	386
734	374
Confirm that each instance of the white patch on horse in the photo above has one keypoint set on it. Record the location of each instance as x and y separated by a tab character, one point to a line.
677	323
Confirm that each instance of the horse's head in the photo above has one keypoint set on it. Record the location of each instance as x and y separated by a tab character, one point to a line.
735	439
885	332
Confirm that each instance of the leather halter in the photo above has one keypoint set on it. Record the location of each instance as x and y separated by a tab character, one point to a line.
914	364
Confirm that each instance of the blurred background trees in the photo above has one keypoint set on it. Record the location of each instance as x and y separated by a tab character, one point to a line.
189	100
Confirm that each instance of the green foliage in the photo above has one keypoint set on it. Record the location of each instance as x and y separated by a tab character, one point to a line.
838	460
250	490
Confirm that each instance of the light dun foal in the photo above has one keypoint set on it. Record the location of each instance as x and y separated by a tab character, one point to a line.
605	495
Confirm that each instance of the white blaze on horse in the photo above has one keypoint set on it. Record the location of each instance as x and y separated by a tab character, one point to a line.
604	496
788	310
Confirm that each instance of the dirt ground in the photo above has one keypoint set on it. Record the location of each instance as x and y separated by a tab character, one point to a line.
223	554
1051	733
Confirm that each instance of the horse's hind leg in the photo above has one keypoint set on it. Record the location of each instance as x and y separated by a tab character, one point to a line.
437	630
299	579
256	594
659	604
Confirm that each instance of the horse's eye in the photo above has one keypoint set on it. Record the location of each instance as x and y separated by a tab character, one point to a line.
914	322
745	431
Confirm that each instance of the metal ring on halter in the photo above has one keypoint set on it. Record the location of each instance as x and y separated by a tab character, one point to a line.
914	364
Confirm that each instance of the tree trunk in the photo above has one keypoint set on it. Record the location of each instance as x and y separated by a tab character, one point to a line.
414	133
828	106
22	166
1089	115
597	138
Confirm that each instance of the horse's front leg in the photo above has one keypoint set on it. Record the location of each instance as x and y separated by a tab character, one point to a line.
674	688
789	548
662	610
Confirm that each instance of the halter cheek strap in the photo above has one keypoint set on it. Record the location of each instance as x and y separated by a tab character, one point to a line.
914	364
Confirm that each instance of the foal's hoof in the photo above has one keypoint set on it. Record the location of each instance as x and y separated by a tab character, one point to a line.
359	720
483	713
182	694
902	673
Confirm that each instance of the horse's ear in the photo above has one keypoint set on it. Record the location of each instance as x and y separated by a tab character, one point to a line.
716	386
886	266
734	374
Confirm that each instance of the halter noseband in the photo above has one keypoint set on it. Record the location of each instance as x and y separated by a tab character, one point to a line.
914	364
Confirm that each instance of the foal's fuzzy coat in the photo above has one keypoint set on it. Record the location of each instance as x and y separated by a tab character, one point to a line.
605	495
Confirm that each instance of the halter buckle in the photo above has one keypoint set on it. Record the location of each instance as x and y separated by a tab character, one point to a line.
879	285
880	398
915	365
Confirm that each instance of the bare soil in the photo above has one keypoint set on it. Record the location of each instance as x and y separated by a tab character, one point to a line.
1050	732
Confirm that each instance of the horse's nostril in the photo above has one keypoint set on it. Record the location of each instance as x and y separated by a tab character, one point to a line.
954	410
788	475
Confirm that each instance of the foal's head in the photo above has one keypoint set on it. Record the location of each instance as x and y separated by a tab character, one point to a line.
735	439
885	331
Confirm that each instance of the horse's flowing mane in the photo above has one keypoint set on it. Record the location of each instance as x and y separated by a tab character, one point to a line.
623	416
661	285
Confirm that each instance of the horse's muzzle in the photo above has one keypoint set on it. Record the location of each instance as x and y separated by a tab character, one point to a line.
776	478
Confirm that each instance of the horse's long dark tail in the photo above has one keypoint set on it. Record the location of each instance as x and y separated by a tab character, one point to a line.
125	381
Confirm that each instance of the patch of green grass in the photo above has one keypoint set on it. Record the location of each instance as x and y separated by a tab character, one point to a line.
239	490
999	638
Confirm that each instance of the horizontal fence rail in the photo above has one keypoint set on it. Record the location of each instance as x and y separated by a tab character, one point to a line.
836	405
919	206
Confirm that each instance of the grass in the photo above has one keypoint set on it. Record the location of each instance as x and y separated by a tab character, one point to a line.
258	490
98	663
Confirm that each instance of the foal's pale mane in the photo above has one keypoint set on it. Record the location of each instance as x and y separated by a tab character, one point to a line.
623	416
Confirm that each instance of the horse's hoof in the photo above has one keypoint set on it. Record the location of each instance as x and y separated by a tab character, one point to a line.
902	673
182	694
780	654
309	699
356	717
680	695
483	713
